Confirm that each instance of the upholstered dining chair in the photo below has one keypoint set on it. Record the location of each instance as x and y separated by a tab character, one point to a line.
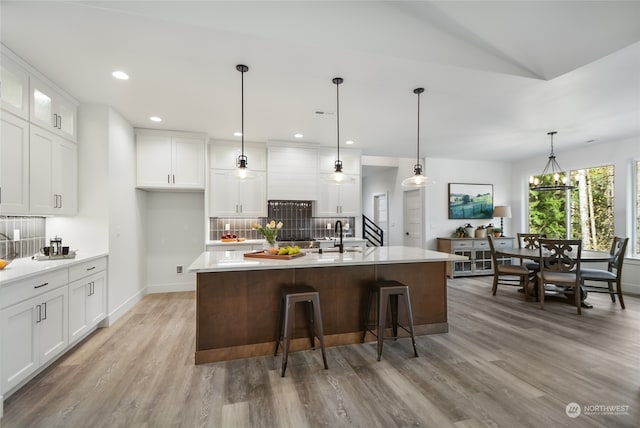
508	274
560	269
612	275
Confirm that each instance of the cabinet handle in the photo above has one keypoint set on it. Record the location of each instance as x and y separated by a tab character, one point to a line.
240	208
60	125
55	120
41	285
91	268
60	205
174	178
93	288
39	314
44	305
89	289
168	178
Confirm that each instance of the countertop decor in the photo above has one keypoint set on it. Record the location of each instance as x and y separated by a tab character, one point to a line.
269	231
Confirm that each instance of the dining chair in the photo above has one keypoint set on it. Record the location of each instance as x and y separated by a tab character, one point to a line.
508	274
530	241
560	269
613	273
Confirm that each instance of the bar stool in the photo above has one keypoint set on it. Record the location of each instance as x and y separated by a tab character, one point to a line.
291	296
387	293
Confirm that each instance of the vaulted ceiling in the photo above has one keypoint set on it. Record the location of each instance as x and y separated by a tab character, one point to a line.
498	75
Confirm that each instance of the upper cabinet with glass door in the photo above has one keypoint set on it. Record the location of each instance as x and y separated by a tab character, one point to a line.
52	110
14	87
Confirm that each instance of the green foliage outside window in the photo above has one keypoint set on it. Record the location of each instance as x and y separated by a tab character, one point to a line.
591	206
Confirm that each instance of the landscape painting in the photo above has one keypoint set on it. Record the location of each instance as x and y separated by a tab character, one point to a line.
470	201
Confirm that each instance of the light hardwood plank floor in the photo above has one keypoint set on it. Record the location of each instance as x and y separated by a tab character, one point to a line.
503	363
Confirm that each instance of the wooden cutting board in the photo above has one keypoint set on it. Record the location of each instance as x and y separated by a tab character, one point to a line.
265	255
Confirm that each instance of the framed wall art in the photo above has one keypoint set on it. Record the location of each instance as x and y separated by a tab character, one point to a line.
470	201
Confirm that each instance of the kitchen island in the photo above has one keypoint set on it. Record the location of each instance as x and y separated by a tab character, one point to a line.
238	298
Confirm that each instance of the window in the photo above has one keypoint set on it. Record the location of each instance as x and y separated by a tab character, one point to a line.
584	213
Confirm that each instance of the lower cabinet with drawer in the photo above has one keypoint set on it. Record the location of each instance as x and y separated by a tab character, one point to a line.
33	331
42	316
87	297
478	252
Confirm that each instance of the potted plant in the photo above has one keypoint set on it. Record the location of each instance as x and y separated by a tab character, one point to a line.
497	232
460	232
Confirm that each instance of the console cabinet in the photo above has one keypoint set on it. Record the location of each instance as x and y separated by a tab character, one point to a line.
478	252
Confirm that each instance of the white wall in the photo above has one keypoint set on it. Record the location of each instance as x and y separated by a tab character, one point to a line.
620	154
109	219
88	231
446	171
127	206
174	236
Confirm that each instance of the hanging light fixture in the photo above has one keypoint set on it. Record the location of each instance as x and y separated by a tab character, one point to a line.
418	179
551	168
242	172
338	177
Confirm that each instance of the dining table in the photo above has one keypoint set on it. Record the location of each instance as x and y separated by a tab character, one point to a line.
586	256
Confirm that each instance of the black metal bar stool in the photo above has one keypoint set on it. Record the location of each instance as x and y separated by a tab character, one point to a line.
291	296
387	294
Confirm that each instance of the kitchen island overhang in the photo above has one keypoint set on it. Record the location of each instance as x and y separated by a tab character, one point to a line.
238	298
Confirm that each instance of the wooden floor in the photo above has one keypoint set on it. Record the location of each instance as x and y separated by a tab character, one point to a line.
503	363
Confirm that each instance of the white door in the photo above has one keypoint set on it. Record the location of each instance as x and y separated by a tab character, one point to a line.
18	329
153	159
41	194
223	193
412	219
53	334
78	295
253	196
15	88
381	214
97	303
14	165
65	176
188	163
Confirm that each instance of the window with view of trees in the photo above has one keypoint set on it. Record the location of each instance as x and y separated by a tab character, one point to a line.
589	207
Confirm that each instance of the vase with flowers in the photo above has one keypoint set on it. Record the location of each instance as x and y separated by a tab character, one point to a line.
270	233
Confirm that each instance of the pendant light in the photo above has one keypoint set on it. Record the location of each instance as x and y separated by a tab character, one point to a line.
338	177
418	179
551	168
242	172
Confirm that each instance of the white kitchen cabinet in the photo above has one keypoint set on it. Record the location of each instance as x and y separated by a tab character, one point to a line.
33	333
343	199
224	155
14	87
87	304
53	174
351	163
14	165
52	110
166	161
232	197
292	172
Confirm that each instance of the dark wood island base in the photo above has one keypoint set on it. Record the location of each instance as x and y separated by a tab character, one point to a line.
237	311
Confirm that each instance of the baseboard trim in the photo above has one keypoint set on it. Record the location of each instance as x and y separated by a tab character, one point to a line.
124	307
170	288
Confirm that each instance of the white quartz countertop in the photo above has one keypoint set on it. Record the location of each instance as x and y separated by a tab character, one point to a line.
246	241
26	267
225	261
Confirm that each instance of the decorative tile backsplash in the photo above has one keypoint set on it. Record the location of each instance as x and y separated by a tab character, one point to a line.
32	236
296	217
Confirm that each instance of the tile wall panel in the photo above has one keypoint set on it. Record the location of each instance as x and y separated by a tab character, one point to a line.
32	236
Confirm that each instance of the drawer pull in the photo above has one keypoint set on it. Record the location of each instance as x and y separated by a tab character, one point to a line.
41	285
91	268
39	314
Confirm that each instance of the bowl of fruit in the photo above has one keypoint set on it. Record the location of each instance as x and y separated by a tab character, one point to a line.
231	237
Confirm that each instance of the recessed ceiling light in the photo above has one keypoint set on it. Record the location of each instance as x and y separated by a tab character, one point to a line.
348	142
298	135
155	119
120	75
237	134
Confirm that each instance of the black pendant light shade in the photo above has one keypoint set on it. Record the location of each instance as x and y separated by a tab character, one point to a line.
338	177
418	179
552	168
242	172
